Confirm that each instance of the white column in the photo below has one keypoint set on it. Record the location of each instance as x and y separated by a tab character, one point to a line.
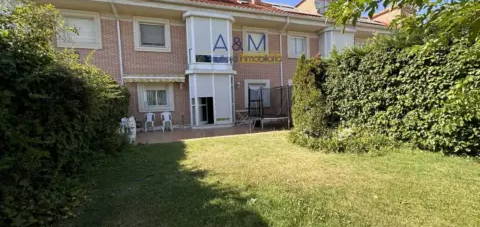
332	38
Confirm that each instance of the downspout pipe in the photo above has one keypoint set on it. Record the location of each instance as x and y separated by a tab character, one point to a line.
119	41
284	28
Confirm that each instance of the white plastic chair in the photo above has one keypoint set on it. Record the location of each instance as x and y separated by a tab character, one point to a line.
149	119
123	125
167	118
132	129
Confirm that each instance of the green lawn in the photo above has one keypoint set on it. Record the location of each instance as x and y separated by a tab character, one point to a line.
263	180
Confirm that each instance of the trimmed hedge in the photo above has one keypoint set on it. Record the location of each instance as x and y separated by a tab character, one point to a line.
427	95
55	115
308	114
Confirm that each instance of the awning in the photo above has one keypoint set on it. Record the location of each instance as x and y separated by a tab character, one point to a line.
152	78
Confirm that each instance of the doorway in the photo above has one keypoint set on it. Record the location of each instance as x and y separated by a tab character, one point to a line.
206	110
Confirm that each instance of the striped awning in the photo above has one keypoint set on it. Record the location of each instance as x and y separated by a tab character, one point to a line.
154	78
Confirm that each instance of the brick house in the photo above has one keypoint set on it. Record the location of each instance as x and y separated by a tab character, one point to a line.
197	58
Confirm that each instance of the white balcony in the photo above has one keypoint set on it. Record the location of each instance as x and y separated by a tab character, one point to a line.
209	41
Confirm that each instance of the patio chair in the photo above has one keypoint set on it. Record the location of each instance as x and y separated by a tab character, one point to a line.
123	125
150	120
132	129
167	118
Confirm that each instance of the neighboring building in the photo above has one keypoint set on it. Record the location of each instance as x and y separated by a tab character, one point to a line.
387	15
197	58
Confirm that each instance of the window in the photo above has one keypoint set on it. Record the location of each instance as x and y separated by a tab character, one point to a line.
87	30
151	34
321	5
153	97
156	97
202	39
297	45
255	41
256	89
211	40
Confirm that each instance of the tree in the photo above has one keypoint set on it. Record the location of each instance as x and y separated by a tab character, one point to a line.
435	21
309	107
56	115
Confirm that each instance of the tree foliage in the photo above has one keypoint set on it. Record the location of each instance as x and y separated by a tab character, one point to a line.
435	21
55	115
426	96
410	94
308	101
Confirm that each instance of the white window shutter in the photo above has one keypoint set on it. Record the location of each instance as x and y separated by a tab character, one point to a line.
85	27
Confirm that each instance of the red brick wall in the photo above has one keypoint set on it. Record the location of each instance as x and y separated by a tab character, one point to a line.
267	71
144	62
107	57
256	70
181	113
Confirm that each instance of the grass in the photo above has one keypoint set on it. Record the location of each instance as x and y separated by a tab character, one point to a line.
262	180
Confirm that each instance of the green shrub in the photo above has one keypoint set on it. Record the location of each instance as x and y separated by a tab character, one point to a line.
456	125
400	88
308	110
402	91
55	115
349	140
355	140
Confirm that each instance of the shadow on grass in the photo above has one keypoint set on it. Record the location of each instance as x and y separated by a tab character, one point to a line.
149	187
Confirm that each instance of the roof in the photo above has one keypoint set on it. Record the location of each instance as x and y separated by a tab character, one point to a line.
272	8
246	5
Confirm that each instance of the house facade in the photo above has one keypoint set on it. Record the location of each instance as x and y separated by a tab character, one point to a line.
198	58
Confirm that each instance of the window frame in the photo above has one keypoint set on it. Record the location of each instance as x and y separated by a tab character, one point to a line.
151	21
255	81
82	14
291	36
156	92
142	89
246	31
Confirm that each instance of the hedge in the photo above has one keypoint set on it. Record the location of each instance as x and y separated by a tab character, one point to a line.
426	95
56	115
309	113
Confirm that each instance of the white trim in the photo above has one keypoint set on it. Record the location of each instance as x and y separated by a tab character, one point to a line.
230	42
231	98
348	29
197	109
209	71
192	47
281	54
246	30
119	43
141	95
213	100
210	21
292	35
149	20
207	14
82	14
155	79
188	5
253	81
